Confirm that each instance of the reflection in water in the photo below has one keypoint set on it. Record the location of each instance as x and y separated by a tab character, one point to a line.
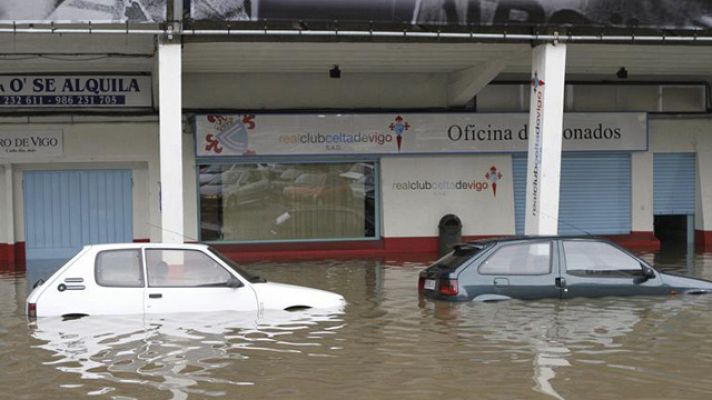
178	352
388	344
561	337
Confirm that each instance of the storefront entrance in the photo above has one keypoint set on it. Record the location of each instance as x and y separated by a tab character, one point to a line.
65	210
674	197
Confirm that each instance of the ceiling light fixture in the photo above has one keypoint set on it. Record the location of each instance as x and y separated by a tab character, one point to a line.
335	72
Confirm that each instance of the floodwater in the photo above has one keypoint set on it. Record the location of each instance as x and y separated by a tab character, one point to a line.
389	344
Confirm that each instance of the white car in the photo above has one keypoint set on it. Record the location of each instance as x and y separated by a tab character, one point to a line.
150	278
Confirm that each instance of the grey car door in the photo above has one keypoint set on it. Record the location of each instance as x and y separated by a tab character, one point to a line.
594	268
520	270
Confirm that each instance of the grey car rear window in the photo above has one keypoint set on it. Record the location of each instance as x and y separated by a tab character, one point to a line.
527	258
460	256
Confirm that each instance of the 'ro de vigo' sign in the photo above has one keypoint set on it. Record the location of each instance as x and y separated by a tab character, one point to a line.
31	144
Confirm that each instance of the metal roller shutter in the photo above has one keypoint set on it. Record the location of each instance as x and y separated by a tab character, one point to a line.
65	210
595	193
674	183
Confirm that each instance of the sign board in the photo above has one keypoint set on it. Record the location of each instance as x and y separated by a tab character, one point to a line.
301	134
31	144
477	189
102	11
463	14
75	91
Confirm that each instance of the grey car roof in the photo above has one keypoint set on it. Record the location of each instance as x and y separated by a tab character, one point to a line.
532	238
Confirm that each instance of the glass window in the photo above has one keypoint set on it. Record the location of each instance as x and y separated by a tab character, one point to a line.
183	268
119	268
269	201
461	255
519	259
599	258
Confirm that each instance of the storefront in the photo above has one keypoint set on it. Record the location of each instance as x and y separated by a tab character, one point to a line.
388	178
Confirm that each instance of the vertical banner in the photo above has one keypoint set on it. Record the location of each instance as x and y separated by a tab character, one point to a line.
546	115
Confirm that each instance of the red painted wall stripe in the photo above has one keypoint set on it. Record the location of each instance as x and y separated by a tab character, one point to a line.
13	255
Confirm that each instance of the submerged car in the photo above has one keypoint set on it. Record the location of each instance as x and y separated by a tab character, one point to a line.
547	267
150	278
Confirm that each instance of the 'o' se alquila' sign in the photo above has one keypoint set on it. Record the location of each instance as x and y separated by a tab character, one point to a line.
75	91
293	134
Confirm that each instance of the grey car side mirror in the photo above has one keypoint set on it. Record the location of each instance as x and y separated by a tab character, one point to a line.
648	273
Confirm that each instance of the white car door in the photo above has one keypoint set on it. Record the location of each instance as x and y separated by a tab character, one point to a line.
189	280
119	283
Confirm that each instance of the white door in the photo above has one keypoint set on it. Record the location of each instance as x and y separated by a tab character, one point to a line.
181	280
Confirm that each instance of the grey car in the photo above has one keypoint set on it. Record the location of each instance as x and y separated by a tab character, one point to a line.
547	267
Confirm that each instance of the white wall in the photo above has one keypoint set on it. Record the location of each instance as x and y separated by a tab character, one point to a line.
5	209
315	91
415	212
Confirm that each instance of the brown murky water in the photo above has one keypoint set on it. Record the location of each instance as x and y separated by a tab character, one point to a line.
389	344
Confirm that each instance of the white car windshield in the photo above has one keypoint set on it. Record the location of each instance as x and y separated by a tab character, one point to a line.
232	264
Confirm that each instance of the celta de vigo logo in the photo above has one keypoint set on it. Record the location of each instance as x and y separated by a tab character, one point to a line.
399	127
232	134
493	176
536	82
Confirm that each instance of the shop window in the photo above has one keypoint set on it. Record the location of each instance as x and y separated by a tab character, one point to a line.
252	202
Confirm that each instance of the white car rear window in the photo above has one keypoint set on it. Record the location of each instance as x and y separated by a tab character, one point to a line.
119	268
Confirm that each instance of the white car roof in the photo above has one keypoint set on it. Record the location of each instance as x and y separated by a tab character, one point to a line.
152	245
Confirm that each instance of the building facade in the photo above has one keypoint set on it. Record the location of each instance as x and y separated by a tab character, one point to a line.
271	144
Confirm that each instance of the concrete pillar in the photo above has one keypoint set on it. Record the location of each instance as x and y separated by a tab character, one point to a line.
546	114
642	196
170	109
7	219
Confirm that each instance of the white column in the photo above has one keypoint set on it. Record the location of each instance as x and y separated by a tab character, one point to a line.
170	141
642	195
546	113
7	213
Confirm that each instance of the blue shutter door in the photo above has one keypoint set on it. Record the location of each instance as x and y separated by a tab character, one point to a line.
595	193
674	183
65	210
